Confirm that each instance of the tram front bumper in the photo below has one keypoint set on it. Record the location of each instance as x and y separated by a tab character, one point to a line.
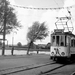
60	57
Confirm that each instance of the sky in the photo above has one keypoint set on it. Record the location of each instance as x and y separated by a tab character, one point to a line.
28	16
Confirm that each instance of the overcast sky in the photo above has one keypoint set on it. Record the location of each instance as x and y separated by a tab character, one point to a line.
27	16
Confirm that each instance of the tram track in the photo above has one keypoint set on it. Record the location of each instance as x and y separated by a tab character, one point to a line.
13	70
49	71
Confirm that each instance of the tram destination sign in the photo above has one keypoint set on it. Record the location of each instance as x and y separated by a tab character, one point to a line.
59	30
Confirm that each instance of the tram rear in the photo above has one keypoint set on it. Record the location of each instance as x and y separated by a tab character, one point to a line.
60	45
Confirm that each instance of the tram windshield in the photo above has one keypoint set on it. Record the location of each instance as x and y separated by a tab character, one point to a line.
58	40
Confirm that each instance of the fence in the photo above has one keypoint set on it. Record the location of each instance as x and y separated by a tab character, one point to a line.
23	51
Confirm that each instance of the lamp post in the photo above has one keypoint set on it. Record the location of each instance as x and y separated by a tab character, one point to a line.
13	39
13	42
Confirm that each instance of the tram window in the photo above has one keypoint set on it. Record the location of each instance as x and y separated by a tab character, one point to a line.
65	40
68	41
53	40
57	40
72	43
62	41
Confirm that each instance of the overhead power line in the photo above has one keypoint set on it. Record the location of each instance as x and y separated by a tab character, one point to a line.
43	8
62	18
56	3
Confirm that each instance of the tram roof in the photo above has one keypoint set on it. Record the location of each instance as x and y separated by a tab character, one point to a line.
63	33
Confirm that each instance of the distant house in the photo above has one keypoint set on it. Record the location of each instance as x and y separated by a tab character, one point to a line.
44	46
33	46
41	45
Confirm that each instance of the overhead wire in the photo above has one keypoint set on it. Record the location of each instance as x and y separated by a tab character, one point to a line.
64	14
62	1
68	19
70	16
56	3
42	8
45	8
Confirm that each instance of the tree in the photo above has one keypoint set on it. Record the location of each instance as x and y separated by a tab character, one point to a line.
19	44
8	20
11	19
37	31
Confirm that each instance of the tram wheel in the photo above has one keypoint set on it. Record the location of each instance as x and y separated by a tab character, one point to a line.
55	59
68	60
51	57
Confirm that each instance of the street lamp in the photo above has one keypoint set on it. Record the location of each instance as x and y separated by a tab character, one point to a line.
13	42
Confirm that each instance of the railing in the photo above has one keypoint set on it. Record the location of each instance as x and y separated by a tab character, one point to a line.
16	48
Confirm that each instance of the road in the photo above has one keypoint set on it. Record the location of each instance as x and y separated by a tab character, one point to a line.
33	65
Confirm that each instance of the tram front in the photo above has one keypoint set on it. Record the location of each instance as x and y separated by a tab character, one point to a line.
59	46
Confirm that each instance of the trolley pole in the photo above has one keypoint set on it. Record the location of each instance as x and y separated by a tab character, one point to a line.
4	29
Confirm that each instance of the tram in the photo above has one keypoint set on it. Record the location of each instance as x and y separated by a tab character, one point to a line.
62	44
62	41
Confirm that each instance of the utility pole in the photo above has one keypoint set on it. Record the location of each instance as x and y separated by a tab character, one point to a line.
4	30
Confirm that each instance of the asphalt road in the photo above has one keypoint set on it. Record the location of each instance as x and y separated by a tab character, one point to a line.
33	65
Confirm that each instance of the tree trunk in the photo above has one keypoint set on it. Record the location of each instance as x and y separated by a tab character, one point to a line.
3	49
29	47
37	51
12	50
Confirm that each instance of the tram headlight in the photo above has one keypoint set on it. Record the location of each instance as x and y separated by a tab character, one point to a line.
63	53
52	53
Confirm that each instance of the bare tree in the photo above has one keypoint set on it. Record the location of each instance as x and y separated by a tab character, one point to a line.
37	31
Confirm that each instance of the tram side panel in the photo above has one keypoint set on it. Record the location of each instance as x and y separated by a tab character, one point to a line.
72	47
72	50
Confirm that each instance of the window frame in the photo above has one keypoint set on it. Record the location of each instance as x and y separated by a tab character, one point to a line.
72	42
64	41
